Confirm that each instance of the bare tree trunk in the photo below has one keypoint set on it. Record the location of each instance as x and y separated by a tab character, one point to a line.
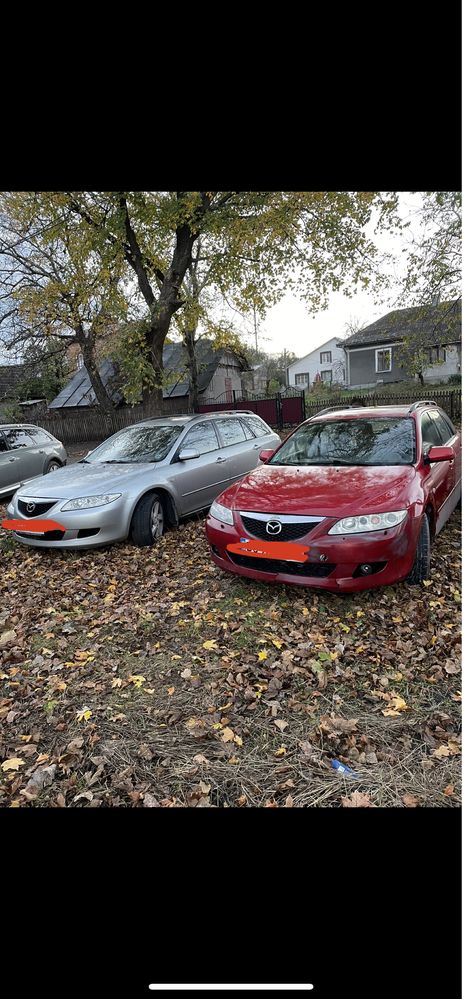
190	344
86	344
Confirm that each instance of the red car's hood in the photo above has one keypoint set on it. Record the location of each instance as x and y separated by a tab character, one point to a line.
325	490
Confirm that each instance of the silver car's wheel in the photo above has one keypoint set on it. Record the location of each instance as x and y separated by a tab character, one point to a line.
157	520
52	466
148	520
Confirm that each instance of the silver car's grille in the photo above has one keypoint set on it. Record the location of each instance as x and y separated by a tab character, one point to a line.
290	527
34	508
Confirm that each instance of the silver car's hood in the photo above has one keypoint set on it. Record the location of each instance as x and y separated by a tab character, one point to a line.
86	480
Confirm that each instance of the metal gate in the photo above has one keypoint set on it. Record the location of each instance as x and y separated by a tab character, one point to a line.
278	411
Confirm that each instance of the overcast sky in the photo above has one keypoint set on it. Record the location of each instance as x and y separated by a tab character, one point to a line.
289	325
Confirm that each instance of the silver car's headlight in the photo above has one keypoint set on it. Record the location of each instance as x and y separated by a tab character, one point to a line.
88	502
222	513
369	522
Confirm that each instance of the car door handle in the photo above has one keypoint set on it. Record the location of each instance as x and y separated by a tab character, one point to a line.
41	452
12	459
219	460
256	446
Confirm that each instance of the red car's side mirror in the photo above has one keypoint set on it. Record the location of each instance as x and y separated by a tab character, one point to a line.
266	455
440	454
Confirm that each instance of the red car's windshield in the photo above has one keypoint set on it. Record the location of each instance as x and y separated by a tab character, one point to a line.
373	441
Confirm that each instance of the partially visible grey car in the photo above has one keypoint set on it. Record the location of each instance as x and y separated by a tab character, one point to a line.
27	451
143	477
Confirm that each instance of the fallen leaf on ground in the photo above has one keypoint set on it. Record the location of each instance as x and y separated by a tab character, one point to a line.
411	801
12	764
357	800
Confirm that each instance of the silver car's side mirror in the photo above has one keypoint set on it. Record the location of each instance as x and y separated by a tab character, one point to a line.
187	453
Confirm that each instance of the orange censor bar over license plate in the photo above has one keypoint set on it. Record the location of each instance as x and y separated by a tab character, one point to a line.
286	550
32	526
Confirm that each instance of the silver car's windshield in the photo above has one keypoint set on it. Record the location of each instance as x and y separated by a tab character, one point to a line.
136	444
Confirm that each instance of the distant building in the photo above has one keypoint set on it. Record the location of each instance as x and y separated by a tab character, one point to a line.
326	363
219	375
374	354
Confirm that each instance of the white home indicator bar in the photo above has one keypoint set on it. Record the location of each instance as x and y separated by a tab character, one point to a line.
231	988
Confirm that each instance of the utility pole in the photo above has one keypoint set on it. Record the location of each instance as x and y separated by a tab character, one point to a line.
255	328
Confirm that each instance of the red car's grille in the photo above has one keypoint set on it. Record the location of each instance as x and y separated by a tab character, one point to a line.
280	565
257	529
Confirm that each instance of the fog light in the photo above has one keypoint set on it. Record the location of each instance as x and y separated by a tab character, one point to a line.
365	569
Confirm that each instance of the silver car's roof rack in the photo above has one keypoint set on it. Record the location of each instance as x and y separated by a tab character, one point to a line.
422	402
226	412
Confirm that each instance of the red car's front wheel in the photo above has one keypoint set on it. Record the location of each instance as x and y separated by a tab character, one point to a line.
421	568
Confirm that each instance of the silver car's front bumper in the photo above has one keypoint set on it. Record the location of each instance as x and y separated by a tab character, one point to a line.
82	528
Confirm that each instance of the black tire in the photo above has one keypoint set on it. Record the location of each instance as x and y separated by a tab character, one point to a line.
421	568
52	466
148	521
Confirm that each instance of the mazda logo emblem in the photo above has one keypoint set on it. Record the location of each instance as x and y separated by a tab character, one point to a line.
273	527
30	507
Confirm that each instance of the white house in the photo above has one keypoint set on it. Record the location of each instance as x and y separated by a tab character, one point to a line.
326	364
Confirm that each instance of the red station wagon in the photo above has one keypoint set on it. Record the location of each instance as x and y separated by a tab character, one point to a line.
363	490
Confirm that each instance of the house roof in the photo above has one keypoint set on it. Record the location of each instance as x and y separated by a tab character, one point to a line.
431	325
316	350
78	392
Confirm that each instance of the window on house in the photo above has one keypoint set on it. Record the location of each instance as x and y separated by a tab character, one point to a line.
436	355
326	357
383	360
326	376
303	378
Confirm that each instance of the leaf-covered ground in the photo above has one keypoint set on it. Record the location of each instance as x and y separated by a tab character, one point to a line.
141	677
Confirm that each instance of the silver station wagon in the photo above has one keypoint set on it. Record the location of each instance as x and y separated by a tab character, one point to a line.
26	451
142	478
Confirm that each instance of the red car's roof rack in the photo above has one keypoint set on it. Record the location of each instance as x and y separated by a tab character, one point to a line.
333	409
422	402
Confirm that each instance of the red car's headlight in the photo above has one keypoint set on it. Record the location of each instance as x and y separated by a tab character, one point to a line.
368	522
221	512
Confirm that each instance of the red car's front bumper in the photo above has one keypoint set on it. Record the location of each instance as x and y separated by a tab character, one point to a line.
333	561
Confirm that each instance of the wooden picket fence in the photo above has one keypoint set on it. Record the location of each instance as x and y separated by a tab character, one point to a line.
448	400
91	425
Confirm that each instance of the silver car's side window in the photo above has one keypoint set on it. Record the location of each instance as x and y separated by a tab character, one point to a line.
248	434
18	439
258	428
203	437
231	431
40	437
